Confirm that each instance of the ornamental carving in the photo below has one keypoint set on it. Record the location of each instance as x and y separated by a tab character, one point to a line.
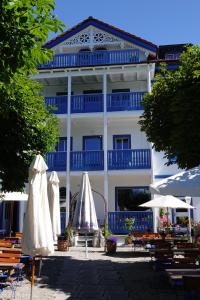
91	37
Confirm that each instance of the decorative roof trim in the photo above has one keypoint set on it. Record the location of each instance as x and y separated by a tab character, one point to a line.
103	26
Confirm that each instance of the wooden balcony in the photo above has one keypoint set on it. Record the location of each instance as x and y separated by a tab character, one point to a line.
89	103
94	160
95	58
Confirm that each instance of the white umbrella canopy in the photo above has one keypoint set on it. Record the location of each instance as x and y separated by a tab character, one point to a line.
85	218
54	204
167	201
37	232
186	183
13	196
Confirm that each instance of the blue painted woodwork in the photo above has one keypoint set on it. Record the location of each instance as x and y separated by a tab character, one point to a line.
56	161
87	103
105	27
143	221
87	160
63	222
92	59
129	159
59	102
125	101
94	160
92	142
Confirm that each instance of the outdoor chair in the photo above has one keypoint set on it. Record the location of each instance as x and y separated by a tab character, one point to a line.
191	284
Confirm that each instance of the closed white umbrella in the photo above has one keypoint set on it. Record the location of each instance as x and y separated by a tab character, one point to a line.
37	231
54	204
85	218
186	183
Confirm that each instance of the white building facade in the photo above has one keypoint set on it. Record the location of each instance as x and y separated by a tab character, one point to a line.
96	81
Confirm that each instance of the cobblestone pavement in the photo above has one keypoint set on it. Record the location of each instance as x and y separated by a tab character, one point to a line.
127	275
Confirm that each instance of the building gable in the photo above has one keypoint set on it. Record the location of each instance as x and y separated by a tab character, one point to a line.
97	32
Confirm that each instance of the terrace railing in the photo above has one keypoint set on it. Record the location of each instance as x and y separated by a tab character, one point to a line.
143	221
125	101
87	160
56	161
87	103
129	159
59	104
85	58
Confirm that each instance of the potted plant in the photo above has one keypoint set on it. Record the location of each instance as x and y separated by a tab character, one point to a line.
64	240
129	224
111	245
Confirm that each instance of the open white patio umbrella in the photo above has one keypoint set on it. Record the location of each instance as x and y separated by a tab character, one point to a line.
85	219
54	204
37	231
167	201
186	183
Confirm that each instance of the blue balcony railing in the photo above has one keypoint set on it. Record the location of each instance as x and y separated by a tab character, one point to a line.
56	161
58	102
129	159
87	160
143	221
85	58
87	103
125	101
94	160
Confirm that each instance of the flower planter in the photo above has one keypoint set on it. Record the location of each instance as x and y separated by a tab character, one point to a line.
111	247
63	245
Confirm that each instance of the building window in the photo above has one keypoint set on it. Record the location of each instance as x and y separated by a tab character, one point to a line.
62	144
92	143
122	142
92	92
129	198
62	192
172	56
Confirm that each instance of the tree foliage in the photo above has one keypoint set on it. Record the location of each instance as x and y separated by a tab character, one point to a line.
171	115
26	125
24	27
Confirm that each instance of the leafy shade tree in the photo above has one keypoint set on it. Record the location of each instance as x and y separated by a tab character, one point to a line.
171	115
26	126
24	27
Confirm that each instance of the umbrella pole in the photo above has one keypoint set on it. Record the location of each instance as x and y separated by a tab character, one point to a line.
32	276
40	267
86	247
189	226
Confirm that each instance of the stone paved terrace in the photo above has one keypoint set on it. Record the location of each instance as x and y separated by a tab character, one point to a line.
127	275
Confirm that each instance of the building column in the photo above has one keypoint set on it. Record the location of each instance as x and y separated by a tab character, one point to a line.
155	210
105	138
69	88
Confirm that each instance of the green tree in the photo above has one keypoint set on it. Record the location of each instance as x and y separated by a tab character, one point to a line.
26	125
171	115
24	27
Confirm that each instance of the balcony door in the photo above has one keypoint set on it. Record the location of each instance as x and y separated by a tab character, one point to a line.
122	158
92	155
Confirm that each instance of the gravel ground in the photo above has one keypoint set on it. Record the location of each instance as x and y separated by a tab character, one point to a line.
70	275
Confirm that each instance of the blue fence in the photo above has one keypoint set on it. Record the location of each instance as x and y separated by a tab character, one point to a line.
56	161
87	103
129	159
87	160
59	104
94	160
94	102
143	221
125	101
92	59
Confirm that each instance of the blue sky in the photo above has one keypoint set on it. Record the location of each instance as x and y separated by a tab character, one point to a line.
161	22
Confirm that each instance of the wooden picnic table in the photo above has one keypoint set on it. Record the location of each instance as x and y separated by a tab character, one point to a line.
176	275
